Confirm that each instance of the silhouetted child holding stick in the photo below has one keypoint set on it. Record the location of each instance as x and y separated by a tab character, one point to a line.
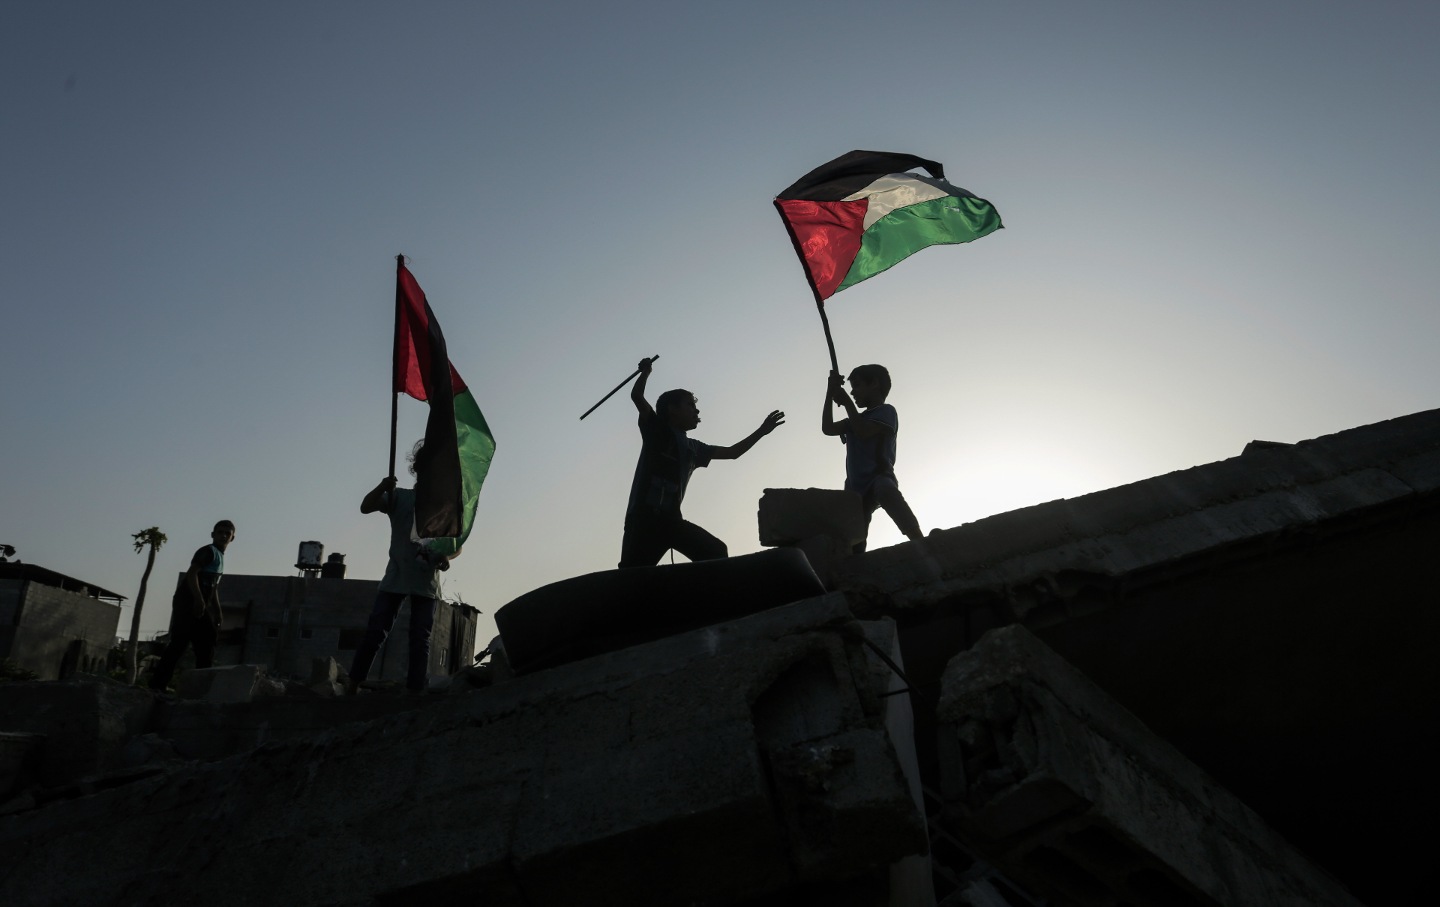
869	439
653	523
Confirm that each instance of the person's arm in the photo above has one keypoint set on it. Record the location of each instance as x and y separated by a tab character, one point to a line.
834	393
637	390
375	499
854	422
735	451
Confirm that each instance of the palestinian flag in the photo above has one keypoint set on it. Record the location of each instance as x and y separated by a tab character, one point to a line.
863	213
458	445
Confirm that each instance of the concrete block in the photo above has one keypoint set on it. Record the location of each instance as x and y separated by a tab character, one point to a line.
234	683
19	760
1058	784
324	671
789	515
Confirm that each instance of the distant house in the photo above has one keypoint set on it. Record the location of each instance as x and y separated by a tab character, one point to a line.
53	624
285	622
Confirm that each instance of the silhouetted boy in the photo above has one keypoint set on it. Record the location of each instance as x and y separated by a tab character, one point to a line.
409	573
653	523
869	439
195	614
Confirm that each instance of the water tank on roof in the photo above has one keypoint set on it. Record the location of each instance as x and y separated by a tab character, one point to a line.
334	567
308	561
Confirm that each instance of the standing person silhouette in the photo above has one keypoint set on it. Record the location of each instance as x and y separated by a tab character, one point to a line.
869	439
653	522
410	573
195	614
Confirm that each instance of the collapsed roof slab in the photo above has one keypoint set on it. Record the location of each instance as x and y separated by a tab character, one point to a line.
1271	615
1060	785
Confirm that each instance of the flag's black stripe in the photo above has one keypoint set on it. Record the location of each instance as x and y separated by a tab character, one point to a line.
437	487
849	173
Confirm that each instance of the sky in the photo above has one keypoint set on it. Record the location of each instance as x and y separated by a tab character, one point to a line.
1219	226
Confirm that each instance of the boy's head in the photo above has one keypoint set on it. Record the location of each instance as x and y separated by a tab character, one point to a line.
223	534
677	407
869	385
413	457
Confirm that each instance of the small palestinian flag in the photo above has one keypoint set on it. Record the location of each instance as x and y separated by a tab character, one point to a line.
452	464
863	213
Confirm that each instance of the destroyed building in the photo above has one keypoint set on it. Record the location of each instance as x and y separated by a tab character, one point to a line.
54	625
1211	687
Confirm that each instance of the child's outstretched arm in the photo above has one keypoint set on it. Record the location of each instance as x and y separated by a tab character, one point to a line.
637	390
735	451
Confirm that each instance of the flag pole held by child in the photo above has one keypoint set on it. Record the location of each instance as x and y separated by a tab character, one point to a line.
617	387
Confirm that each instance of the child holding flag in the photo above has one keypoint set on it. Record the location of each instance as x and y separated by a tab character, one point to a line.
869	439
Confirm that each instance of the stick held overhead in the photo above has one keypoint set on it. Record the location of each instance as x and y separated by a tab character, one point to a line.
613	392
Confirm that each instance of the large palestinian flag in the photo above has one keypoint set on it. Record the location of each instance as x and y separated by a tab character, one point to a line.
452	464
863	213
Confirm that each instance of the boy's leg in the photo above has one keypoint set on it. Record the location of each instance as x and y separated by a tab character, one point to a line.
382	618
203	639
887	495
868	505
422	622
180	626
643	546
697	544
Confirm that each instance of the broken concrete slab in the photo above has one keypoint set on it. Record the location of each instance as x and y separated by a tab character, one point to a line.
86	723
1055	782
727	764
612	609
1202	515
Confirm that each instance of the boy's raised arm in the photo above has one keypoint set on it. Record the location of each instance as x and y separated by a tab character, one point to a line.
637	390
834	393
737	450
854	423
375	498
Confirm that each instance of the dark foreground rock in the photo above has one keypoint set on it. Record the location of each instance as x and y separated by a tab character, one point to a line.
733	764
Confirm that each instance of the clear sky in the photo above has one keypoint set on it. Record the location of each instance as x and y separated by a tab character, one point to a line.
1220	226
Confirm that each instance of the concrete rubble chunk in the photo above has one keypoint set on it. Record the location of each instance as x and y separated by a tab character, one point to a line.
791	515
1056	782
232	683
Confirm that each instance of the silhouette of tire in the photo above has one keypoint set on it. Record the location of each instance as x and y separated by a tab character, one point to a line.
614	609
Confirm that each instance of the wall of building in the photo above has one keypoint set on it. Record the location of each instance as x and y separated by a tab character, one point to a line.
285	622
53	632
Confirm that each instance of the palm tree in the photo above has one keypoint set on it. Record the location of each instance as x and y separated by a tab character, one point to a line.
154	538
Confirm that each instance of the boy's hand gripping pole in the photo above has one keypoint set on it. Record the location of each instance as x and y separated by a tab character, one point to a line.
617	387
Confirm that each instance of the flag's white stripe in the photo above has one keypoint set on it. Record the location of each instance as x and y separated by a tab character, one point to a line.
899	190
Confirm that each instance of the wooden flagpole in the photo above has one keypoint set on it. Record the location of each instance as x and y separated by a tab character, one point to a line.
394	361
829	341
612	393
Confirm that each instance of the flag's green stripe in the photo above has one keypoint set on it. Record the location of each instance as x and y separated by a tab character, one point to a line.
905	231
477	446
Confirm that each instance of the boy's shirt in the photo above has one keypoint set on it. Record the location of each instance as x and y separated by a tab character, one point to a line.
404	573
667	458
866	459
211	561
